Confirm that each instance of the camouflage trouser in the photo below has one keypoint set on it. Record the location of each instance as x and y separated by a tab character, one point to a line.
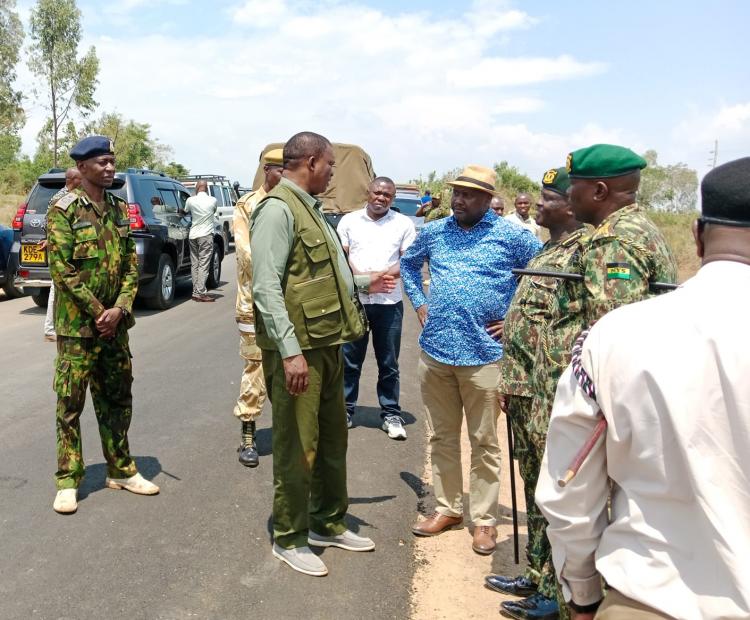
105	367
253	385
536	432
537	546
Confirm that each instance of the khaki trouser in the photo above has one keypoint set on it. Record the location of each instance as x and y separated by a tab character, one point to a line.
449	393
617	606
253	385
200	261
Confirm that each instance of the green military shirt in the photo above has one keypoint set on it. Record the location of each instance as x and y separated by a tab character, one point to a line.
271	242
618	260
437	213
529	314
92	261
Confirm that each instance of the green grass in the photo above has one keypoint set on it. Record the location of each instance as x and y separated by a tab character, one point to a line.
8	205
677	228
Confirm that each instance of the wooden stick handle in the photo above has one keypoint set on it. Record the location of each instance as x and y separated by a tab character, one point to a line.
583	453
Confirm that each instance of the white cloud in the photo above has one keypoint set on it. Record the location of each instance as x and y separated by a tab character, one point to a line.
418	91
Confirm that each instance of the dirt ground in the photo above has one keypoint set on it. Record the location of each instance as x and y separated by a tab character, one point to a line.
449	579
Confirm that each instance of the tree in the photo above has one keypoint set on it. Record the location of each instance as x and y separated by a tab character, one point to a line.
511	182
11	112
134	146
53	57
670	188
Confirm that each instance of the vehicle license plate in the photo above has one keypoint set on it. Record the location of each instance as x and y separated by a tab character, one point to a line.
33	253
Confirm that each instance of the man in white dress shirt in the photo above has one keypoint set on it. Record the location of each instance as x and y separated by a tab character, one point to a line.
671	376
521	215
202	209
375	238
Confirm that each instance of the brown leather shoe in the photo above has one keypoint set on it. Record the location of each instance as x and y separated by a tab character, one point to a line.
203	298
436	524
484	539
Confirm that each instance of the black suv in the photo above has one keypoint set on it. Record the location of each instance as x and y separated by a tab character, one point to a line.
160	233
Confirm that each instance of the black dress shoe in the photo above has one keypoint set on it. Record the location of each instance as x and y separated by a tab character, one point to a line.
518	586
535	607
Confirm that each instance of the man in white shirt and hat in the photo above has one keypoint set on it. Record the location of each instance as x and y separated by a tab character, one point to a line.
670	377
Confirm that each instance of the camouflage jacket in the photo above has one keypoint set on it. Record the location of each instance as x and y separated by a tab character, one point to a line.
242	211
437	213
618	260
92	261
530	312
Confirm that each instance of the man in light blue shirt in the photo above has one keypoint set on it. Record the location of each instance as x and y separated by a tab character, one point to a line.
470	256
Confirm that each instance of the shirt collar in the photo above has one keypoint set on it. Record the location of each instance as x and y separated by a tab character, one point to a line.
489	219
366	215
308	199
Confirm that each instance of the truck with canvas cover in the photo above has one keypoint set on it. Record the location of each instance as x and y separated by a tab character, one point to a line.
347	190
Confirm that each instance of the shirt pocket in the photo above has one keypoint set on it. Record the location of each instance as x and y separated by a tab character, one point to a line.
85	242
322	315
314	242
123	228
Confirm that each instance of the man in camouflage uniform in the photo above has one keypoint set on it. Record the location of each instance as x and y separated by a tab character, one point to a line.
252	386
525	325
620	257
93	265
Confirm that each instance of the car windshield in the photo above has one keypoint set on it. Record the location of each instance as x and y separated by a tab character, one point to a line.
406	206
41	195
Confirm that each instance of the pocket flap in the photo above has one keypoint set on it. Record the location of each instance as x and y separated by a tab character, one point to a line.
314	242
319	306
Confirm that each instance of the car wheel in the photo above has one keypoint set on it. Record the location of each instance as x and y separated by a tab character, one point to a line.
12	291
41	298
214	269
165	285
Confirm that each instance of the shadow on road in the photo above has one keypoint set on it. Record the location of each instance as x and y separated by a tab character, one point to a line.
148	466
369	417
416	484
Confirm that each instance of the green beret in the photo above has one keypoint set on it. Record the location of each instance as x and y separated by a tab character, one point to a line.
602	161
556	180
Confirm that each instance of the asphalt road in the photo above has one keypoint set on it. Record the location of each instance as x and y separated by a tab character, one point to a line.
200	549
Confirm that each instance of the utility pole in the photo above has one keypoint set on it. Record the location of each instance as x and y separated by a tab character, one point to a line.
714	154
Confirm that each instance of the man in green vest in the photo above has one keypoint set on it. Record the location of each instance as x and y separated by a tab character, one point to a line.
305	308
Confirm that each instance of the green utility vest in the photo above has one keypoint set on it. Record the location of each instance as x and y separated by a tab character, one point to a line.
316	295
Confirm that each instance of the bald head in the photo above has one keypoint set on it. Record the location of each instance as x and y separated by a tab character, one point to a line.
73	179
301	146
201	186
497	204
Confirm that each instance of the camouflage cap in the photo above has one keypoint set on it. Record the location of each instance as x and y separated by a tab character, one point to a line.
92	146
725	194
556	180
602	161
274	157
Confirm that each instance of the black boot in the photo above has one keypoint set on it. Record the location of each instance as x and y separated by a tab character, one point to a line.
248	451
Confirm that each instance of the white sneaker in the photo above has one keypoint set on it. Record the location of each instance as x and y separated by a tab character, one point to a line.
301	559
66	501
394	426
135	484
346	540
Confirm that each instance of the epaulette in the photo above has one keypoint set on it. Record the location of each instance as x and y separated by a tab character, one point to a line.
574	238
67	200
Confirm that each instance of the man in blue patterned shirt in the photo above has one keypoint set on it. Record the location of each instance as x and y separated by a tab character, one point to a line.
470	254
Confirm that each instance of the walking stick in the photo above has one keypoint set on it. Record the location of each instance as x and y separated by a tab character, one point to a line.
514	507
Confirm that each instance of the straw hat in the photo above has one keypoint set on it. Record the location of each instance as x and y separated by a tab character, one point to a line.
476	177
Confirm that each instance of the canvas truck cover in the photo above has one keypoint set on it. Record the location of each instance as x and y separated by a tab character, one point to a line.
347	190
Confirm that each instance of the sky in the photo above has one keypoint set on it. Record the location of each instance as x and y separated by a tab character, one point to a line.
422	86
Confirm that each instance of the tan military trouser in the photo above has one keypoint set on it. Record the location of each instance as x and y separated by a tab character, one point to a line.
253	385
617	606
449	393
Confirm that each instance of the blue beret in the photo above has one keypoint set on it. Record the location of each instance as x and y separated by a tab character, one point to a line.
92	146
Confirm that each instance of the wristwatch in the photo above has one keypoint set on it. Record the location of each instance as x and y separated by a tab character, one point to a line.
125	313
585	609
